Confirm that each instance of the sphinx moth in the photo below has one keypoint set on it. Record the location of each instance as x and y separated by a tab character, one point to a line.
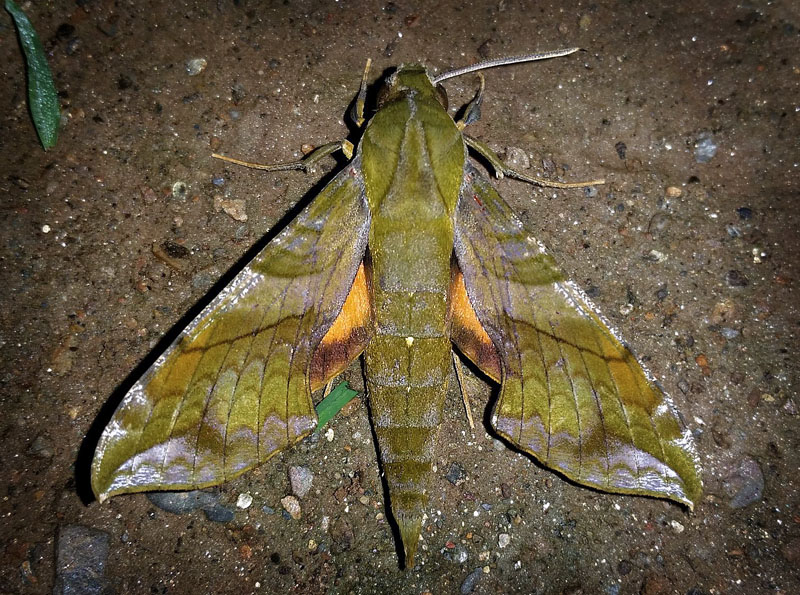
433	258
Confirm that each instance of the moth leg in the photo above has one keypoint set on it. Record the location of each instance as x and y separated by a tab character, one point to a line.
462	386
472	112
306	164
501	169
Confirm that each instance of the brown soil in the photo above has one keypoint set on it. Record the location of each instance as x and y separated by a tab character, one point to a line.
710	273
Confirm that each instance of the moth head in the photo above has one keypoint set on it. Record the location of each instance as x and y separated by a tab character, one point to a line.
412	80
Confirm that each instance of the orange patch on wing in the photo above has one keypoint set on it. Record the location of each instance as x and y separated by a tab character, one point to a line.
348	336
468	334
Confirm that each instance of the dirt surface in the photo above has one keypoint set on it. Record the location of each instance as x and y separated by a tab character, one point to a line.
111	238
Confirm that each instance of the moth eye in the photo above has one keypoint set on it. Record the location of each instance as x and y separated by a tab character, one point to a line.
441	95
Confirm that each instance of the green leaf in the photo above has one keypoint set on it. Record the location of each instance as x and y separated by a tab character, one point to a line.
334	402
42	96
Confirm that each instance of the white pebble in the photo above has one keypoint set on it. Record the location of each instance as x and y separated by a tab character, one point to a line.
244	500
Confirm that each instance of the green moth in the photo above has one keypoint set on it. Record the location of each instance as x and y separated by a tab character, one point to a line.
432	257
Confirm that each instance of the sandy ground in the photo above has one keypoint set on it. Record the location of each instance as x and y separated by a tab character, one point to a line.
694	262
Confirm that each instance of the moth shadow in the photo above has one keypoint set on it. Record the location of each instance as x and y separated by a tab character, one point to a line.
83	459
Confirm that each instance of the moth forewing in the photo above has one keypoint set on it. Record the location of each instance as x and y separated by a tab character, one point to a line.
235	387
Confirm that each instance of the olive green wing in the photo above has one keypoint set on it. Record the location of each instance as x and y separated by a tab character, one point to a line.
235	387
572	393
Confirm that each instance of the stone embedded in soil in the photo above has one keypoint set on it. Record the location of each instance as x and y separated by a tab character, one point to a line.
244	501
292	506
235	208
183	502
704	148
517	158
469	584
41	447
219	514
659	222
82	553
195	66
745	484
735	278
301	479
342	534
456	474
455	552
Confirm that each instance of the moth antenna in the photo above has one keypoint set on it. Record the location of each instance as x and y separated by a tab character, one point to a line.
503	62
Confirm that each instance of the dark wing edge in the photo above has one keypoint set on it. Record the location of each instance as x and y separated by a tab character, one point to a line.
235	386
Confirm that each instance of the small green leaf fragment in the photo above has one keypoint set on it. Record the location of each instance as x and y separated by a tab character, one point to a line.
334	402
42	96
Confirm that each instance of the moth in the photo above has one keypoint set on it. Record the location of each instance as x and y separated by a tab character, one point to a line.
432	258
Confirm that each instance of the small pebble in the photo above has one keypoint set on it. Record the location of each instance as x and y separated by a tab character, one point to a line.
729	333
218	180
469	584
244	501
735	278
195	66
183	502
233	207
41	447
733	231
517	158
656	256
455	553
658	223
301	479
704	148
219	514
745	484
179	190
503	540
292	506
202	280
342	534
329	434
673	192
455	474
676	526
81	557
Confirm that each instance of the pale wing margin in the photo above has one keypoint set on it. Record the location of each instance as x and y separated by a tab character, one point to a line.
233	389
573	395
